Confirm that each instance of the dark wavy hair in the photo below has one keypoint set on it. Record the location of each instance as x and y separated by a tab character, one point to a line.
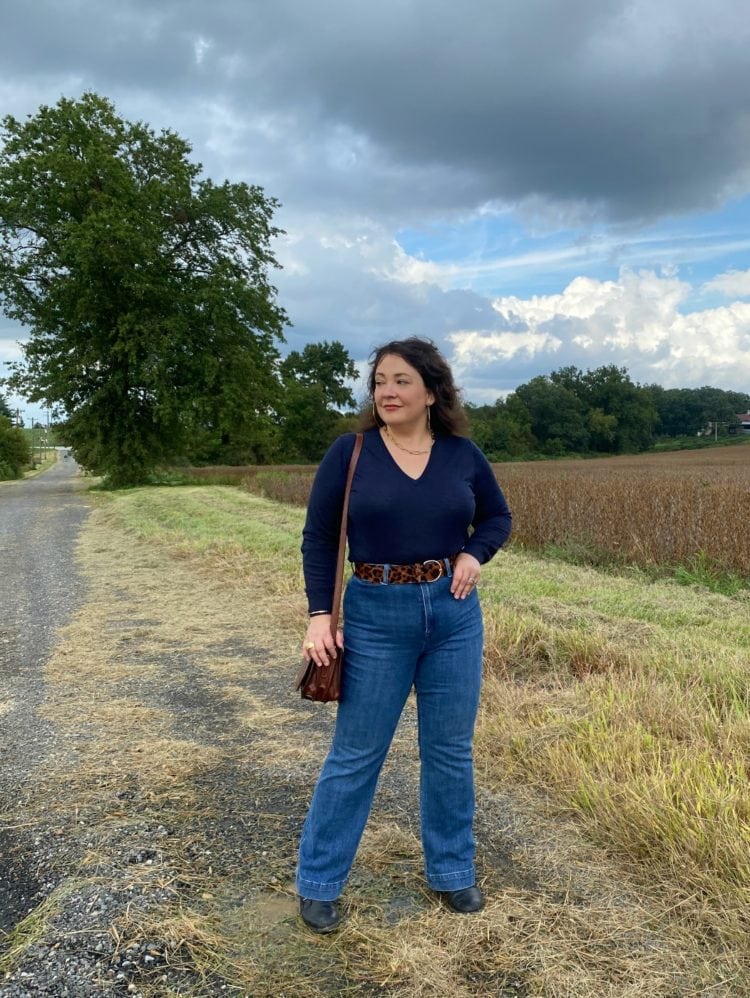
446	414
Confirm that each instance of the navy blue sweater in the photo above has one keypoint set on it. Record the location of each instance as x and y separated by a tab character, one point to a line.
455	505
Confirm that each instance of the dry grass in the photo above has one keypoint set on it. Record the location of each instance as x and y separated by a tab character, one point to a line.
33	927
628	705
614	722
521	943
625	703
188	942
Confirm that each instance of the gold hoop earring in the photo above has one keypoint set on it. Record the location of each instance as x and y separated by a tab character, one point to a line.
429	426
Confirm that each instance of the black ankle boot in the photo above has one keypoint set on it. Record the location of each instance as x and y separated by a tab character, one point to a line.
320	916
465	901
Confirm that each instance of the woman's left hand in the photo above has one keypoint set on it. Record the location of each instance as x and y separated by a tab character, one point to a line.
465	575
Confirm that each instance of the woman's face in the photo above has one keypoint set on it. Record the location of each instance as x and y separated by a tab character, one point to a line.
400	394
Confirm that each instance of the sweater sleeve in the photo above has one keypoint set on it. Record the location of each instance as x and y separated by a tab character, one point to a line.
320	535
492	518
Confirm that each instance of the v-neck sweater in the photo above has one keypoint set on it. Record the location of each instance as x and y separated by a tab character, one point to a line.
455	505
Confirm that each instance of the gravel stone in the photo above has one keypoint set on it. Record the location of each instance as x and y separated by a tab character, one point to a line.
40	519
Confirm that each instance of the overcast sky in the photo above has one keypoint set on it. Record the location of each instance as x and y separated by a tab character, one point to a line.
531	183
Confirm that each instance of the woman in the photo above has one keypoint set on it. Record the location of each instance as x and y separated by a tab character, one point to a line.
425	514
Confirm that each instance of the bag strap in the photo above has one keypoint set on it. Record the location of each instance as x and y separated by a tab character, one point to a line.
339	583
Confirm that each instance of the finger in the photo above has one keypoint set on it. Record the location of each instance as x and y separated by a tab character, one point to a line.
317	656
326	650
315	650
465	587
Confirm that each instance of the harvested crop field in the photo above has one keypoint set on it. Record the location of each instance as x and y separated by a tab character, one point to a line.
646	510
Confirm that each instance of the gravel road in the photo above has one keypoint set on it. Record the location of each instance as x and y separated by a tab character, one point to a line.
39	522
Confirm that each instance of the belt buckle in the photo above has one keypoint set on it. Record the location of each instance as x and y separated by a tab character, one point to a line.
440	565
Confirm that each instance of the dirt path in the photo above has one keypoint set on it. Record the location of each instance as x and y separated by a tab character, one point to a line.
159	837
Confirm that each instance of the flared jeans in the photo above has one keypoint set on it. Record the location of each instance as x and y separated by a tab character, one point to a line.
396	637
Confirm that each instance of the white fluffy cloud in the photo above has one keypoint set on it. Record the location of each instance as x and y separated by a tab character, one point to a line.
369	290
733	284
635	322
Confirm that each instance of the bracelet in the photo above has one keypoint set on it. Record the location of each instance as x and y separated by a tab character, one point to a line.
320	613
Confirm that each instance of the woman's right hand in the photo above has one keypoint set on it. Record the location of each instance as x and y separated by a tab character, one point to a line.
319	644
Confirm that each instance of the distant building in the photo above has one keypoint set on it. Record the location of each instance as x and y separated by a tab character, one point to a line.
743	418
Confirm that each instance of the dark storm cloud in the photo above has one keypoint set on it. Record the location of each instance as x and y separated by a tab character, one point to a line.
634	109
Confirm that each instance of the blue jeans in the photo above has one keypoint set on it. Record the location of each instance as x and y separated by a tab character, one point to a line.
397	636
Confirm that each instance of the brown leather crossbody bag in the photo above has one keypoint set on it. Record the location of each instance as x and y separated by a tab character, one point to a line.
323	682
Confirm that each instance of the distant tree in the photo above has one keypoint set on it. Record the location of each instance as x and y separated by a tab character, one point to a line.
14	449
687	411
719	406
558	417
325	364
315	390
502	430
5	408
622	416
145	288
571	378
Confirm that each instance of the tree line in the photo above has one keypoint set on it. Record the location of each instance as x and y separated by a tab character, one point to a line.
599	411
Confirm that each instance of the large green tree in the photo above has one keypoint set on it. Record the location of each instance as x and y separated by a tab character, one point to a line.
144	287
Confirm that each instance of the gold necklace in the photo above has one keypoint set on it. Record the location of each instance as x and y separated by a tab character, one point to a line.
406	449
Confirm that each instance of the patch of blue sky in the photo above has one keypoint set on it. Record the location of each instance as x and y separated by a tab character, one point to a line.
493	254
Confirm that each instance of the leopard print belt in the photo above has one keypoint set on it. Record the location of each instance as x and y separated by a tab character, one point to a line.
423	571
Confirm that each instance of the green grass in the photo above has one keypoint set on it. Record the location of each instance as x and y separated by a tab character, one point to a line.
201	518
699	570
